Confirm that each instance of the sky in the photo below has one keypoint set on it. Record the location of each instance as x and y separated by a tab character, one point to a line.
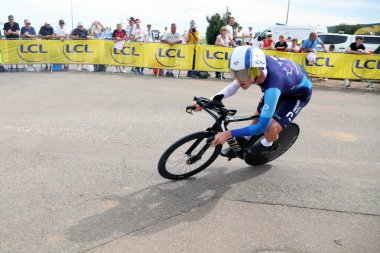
160	13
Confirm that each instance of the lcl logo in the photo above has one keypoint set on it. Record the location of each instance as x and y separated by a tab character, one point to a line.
216	59
77	53
32	52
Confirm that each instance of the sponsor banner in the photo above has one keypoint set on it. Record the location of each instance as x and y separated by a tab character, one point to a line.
212	58
157	55
153	55
336	65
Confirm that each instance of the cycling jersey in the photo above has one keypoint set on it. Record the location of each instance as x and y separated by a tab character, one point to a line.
286	82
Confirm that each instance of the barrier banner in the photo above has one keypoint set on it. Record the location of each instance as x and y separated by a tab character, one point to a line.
153	55
336	65
212	58
158	55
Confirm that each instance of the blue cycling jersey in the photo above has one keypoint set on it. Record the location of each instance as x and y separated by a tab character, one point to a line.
285	78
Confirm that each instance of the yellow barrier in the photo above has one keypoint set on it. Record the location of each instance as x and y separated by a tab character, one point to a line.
157	55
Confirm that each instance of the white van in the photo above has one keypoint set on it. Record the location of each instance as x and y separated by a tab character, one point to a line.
293	31
343	41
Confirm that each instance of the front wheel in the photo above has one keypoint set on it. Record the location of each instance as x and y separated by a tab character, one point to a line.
188	156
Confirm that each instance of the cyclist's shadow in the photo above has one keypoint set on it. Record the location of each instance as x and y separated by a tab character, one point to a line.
160	202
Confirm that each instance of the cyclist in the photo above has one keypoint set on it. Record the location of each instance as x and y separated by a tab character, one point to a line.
286	87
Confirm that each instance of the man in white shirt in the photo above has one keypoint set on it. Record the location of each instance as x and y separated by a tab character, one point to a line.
130	27
171	38
230	28
139	35
248	36
60	32
149	33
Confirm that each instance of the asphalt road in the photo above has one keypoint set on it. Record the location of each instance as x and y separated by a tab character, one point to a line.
78	171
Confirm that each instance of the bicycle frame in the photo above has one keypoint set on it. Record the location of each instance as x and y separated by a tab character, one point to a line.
222	118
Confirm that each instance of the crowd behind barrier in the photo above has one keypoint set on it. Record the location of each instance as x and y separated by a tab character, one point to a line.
135	47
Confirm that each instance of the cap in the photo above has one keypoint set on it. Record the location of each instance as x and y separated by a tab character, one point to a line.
193	26
131	18
27	21
47	22
61	21
10	17
79	24
268	33
192	22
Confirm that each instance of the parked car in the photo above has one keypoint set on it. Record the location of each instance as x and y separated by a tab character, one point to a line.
343	41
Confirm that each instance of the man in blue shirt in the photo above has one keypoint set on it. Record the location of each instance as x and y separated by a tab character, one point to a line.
28	32
310	44
46	31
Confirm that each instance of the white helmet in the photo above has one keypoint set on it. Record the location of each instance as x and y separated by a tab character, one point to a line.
246	57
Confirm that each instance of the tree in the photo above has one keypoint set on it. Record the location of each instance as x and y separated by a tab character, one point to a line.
347	29
215	22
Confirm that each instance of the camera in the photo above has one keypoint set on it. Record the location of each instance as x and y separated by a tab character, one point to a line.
193	29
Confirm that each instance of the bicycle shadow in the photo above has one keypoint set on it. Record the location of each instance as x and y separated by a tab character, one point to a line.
158	203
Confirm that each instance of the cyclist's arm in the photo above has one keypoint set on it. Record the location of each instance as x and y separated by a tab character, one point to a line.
228	91
271	97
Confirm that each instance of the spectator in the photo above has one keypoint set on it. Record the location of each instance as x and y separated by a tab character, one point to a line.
46	31
281	45
165	31
28	32
230	28
223	40
310	44
239	36
355	48
119	35
331	48
62	33
79	33
268	43
171	38
139	35
294	48
130	27
193	37
97	30
248	36
11	30
149	33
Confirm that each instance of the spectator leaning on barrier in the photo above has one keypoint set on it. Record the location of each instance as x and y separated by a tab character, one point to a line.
223	40
310	44
79	33
97	30
239	36
355	48
281	45
119	35
28	32
62	33
294	48
171	38
149	33
139	35
11	30
46	31
268	43
193	37
248	36
131	26
332	48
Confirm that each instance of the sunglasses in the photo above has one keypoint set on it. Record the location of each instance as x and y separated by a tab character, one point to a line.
269	36
224	30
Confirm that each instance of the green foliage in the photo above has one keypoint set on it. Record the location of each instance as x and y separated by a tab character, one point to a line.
347	29
215	22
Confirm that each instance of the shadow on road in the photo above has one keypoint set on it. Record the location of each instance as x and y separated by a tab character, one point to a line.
160	202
